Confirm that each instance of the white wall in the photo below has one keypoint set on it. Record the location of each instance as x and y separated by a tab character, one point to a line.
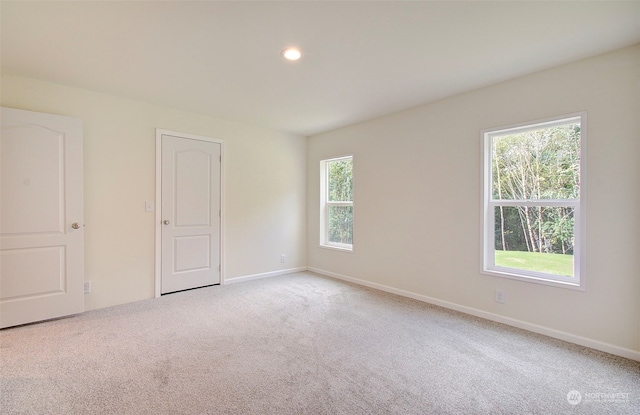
418	199
264	199
417	195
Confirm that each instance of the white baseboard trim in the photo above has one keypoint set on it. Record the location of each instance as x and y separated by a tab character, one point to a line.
262	275
557	334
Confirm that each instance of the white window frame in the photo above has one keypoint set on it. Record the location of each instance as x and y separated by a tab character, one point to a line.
578	281
325	204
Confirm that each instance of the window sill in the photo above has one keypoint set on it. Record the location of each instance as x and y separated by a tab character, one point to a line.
337	248
535	280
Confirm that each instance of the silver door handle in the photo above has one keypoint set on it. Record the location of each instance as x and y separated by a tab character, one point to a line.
166	221
75	225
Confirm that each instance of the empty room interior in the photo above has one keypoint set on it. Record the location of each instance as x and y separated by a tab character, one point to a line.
320	207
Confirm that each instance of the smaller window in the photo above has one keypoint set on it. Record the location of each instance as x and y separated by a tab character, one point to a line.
336	203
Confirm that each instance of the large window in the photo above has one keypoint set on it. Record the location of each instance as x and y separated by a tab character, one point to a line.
336	203
533	204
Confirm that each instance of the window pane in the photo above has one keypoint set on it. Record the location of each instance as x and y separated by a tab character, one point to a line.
537	164
535	238
340	179
341	224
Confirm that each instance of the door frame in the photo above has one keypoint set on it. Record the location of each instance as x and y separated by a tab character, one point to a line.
158	204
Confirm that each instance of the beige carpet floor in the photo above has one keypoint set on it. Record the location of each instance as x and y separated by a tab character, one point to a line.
301	344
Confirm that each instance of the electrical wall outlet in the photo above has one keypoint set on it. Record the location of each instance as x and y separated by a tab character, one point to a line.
283	258
87	287
501	296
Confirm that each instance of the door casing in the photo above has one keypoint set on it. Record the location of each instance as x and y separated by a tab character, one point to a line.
158	203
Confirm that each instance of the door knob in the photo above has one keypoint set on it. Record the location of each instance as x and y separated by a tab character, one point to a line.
75	225
166	221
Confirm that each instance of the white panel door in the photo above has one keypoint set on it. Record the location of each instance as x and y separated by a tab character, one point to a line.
41	217
190	213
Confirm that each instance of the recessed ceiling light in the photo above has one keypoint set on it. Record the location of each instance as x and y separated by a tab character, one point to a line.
292	54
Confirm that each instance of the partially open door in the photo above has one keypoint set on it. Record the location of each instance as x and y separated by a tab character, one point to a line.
41	217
